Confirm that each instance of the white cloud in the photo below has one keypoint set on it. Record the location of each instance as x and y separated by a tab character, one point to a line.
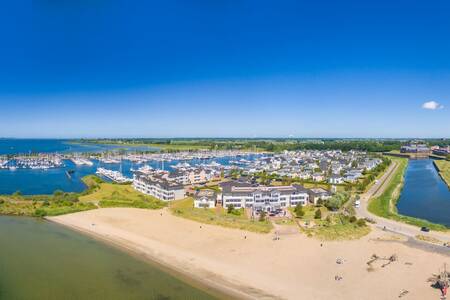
432	105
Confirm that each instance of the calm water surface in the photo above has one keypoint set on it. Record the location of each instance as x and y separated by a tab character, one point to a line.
425	195
44	261
27	146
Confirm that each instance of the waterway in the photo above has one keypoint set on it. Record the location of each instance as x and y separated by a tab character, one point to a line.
41	260
425	195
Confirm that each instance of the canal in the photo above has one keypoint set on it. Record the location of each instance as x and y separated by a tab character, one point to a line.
425	195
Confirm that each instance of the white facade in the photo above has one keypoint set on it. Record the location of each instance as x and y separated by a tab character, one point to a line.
204	202
264	198
160	191
336	180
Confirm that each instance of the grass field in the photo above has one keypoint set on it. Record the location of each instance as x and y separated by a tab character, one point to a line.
120	195
444	170
218	216
385	205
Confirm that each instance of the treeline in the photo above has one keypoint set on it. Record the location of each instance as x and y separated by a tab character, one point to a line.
273	145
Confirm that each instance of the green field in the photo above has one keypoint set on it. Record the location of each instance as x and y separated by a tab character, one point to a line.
120	195
218	216
444	170
385	205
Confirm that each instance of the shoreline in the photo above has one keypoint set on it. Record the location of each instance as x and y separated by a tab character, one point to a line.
221	260
441	173
220	290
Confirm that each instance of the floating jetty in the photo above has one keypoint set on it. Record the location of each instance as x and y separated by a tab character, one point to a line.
110	160
113	175
81	161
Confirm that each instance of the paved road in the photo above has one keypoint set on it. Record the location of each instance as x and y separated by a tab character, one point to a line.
391	225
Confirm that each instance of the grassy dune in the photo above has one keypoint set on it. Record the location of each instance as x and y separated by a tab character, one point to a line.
120	195
218	216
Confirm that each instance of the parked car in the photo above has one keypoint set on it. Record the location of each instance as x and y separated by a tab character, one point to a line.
425	229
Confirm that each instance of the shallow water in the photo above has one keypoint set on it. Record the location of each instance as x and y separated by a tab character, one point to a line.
42	260
425	195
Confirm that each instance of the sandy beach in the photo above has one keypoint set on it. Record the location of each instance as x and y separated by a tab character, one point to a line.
254	266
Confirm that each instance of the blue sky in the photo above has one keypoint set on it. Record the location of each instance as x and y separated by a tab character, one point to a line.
225	69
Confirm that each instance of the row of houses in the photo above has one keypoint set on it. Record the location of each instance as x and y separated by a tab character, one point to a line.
334	166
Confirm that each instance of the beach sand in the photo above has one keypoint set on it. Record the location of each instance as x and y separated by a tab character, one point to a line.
250	265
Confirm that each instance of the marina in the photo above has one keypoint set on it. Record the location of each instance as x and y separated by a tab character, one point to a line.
45	173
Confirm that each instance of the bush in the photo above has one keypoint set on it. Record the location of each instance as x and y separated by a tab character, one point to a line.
318	214
58	193
40	213
230	208
236	212
298	210
361	222
353	219
262	216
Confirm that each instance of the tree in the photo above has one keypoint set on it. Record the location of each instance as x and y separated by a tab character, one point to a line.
230	208
318	214
298	210
336	202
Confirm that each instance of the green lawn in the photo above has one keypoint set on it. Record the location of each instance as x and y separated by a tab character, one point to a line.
120	195
218	216
444	170
385	205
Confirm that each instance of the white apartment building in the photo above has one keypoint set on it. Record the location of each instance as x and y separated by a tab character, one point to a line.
266	198
158	187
